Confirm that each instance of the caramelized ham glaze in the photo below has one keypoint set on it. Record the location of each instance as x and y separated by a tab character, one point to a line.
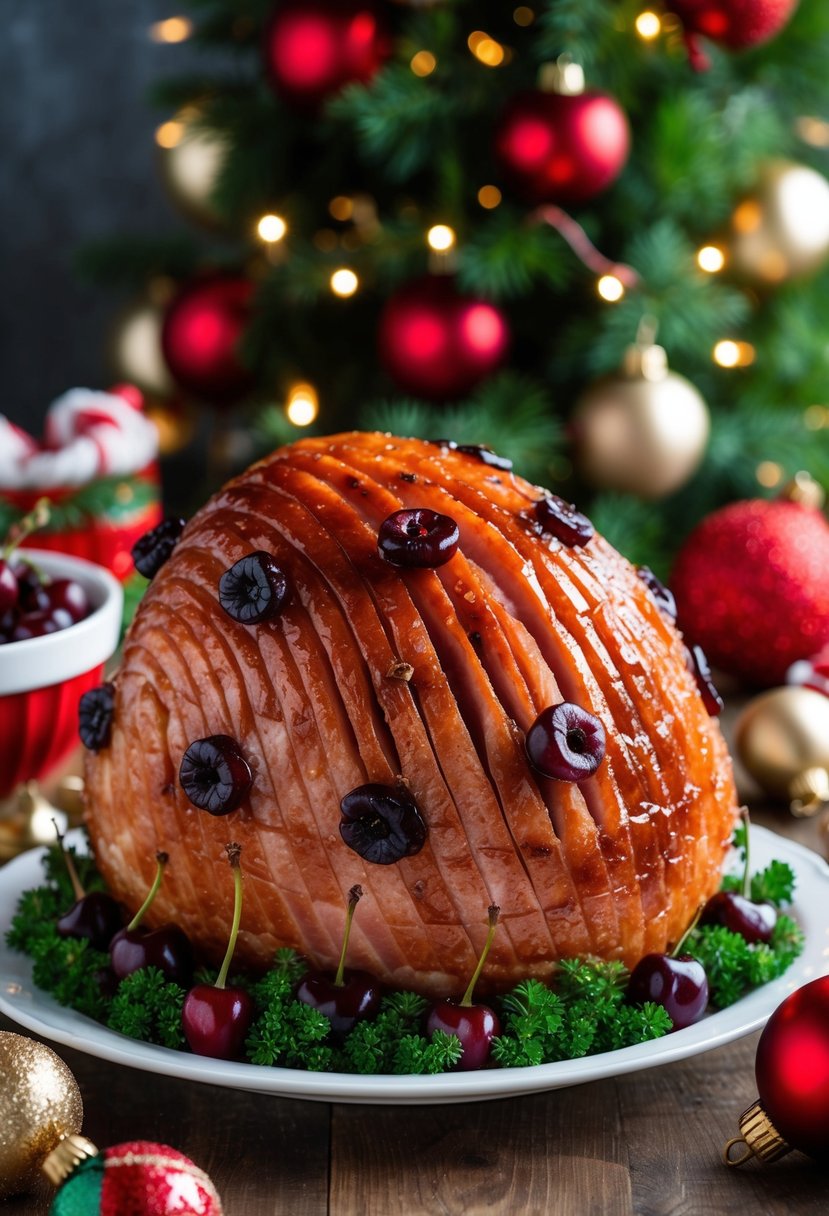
515	621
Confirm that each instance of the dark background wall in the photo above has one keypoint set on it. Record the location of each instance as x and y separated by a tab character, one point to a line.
78	163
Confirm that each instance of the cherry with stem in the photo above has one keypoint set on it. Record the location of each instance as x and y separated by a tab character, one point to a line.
346	997
216	1018
737	911
474	1025
94	915
676	981
166	947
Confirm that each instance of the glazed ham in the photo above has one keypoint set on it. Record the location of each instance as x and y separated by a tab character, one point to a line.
423	680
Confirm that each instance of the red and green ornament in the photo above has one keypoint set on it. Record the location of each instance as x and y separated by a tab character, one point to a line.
138	1178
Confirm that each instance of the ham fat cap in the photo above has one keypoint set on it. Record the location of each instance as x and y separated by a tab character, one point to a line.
614	866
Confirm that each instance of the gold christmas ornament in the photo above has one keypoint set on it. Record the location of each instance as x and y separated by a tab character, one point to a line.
782	739
782	230
642	430
39	1103
191	160
135	353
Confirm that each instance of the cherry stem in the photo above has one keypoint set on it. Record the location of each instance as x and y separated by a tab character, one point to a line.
354	897
675	952
70	865
233	853
494	912
746	868
38	517
161	860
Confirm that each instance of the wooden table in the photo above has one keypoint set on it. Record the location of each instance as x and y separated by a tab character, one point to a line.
648	1143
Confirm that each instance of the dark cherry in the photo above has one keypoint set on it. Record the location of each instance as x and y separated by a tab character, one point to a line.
166	947
253	589
216	1019
344	997
215	775
563	521
664	597
96	917
382	823
754	922
701	671
679	984
9	588
28	579
95	711
475	1025
566	742
151	551
418	537
35	625
68	596
35	598
480	451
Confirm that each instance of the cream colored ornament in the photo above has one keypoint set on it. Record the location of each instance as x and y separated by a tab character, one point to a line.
642	430
135	353
191	160
782	739
39	1104
782	230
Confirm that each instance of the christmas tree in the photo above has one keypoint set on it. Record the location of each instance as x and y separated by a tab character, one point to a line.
475	220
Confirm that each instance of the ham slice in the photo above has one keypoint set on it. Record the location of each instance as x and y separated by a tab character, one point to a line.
614	865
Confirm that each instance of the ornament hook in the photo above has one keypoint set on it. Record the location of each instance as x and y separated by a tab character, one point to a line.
734	1161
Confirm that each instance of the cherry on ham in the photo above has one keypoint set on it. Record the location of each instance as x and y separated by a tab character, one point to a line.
214	774
95	711
94	915
346	997
418	538
563	521
663	595
737	911
382	823
167	947
475	1025
151	551
566	742
676	981
253	589
700	669
215	1018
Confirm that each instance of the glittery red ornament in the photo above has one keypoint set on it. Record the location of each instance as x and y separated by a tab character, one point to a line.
734	23
437	343
139	1178
752	587
313	48
200	336
792	1069
561	147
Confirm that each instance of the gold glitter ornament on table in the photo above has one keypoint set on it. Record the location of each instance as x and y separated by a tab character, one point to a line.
782	739
780	231
642	430
39	1104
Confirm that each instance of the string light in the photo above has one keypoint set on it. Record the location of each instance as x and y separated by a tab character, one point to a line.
814	131
728	353
769	473
710	259
302	406
169	134
440	238
344	282
173	29
523	15
271	228
485	49
610	288
489	197
423	63
341	207
648	25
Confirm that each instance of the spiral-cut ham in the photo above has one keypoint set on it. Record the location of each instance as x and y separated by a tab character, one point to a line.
317	700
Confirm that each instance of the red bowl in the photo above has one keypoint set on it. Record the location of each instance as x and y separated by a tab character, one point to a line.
42	679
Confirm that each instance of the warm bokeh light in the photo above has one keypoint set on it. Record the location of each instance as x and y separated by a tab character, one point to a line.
648	25
610	288
816	417
344	282
769	473
302	405
423	63
271	228
729	353
341	207
489	52
489	197
523	15
748	216
174	29
711	259
814	131
169	134
440	238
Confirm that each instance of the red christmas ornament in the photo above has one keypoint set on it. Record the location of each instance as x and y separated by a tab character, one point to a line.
313	48
734	23
562	147
139	1178
200	336
792	1072
752	587
437	343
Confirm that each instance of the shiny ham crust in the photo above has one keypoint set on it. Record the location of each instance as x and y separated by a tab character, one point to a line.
613	866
